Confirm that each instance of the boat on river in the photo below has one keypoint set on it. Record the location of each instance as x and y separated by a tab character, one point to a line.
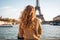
6	25
58	24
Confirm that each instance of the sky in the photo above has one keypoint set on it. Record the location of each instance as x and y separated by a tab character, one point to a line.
13	8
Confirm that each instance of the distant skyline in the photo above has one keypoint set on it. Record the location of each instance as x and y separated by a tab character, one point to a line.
13	8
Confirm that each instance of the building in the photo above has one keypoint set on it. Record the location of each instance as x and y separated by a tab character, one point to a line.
57	18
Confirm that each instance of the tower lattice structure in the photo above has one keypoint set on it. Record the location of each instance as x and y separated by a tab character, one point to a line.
37	7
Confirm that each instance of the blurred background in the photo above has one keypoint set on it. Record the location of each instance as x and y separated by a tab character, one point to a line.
10	11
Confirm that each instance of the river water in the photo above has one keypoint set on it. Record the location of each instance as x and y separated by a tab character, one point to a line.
49	31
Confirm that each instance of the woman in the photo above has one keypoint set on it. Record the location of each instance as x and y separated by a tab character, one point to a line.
29	27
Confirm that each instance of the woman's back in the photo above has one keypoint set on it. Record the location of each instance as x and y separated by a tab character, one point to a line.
29	26
32	33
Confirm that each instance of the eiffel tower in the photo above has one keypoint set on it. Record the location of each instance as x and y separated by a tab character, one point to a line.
37	7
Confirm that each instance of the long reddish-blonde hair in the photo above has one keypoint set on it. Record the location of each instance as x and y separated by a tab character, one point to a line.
28	17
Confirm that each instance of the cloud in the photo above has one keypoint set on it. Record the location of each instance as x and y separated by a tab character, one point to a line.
10	12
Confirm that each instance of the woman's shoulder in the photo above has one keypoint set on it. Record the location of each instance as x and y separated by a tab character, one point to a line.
38	19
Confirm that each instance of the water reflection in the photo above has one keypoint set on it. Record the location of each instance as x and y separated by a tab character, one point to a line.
49	32
28	39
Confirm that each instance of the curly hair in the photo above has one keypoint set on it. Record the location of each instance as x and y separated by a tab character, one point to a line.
28	17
